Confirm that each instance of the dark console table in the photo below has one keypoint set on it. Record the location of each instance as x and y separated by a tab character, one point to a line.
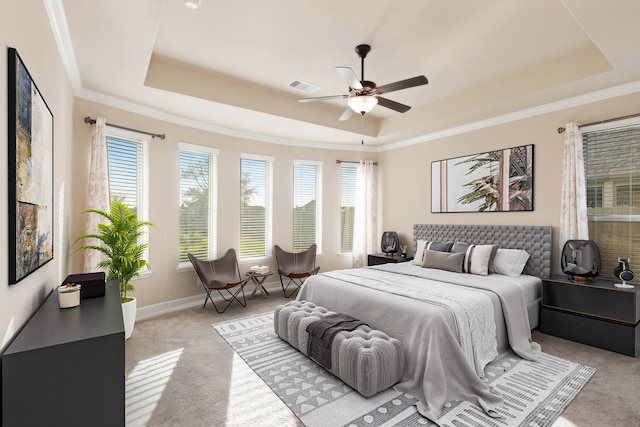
593	312
66	366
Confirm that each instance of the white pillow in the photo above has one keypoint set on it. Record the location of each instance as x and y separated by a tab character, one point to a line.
510	262
421	245
477	259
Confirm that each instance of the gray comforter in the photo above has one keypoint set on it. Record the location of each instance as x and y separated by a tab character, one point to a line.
436	370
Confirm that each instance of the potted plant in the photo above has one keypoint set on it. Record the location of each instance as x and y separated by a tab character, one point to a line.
124	256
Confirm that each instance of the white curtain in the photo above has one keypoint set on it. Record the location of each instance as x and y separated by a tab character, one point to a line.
98	190
365	227
574	223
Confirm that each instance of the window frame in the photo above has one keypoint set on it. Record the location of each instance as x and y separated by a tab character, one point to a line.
354	167
142	140
318	198
268	198
212	229
611	222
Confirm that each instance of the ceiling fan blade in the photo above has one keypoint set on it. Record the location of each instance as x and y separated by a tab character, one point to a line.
401	108
323	98
349	77
403	84
346	115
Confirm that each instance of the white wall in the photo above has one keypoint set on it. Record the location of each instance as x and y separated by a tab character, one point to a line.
25	27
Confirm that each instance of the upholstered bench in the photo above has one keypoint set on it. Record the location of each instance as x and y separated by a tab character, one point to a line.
365	359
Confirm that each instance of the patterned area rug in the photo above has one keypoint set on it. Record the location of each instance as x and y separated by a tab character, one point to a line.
535	393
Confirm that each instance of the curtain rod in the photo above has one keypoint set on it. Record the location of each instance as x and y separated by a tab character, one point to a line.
349	161
88	120
561	129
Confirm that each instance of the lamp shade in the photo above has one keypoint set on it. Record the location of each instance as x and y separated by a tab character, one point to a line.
363	103
389	243
580	258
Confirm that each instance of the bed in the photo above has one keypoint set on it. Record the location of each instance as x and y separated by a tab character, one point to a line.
450	324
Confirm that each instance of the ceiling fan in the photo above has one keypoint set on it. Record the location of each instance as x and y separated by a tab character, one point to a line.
363	94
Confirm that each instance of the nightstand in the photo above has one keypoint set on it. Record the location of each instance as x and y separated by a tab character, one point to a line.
381	258
592	312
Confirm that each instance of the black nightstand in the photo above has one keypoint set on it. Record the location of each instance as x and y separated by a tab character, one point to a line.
593	312
377	259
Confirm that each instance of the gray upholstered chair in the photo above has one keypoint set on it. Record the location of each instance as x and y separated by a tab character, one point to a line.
295	267
222	274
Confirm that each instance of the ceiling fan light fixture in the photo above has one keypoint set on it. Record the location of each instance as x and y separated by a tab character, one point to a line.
192	4
362	104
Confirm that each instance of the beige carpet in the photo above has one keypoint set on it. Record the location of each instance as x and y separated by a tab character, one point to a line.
184	374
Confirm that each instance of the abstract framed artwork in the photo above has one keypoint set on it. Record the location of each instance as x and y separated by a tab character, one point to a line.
30	124
495	181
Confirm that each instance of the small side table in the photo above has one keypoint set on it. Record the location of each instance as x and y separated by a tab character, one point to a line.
258	279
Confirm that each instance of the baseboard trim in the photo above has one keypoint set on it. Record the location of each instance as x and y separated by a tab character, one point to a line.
153	310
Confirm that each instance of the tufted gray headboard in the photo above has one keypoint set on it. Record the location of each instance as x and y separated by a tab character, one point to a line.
535	239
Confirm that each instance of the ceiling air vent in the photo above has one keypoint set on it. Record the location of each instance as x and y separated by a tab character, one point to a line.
303	86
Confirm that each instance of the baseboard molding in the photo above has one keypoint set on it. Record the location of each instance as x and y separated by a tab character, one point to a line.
153	310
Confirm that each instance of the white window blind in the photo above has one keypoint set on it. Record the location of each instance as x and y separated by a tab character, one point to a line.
307	206
347	206
127	158
197	205
612	169
255	205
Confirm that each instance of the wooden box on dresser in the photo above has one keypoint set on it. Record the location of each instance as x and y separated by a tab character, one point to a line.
593	312
66	366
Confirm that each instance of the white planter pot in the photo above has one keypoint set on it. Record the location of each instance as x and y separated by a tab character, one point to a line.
129	317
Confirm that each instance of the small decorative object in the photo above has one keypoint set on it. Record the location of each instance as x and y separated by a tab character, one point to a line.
623	273
69	295
390	242
580	259
260	269
403	249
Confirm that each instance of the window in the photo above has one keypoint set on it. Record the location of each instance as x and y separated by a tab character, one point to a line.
612	170
255	205
127	158
307	204
197	214
348	175
594	197
628	195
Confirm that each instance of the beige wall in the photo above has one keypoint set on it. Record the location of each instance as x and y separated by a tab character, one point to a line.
25	27
166	283
406	172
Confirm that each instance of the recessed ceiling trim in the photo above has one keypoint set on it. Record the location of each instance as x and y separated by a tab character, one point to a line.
576	101
119	103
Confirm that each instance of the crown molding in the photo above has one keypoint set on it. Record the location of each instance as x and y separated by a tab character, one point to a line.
58	21
57	18
576	101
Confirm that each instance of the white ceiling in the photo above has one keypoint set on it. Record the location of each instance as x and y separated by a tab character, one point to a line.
226	66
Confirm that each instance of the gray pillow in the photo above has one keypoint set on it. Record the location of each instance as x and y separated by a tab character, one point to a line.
440	246
449	261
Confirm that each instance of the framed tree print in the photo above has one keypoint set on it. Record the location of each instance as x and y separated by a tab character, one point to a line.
495	181
30	168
